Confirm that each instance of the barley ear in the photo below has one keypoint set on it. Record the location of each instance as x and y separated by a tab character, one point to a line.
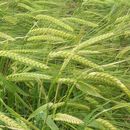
10	122
106	124
55	21
23	60
67	118
104	78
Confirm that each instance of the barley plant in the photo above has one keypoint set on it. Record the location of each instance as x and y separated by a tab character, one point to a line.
64	64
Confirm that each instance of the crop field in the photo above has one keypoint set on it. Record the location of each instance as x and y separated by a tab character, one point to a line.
64	64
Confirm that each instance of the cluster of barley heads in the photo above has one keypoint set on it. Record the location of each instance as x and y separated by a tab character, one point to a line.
64	65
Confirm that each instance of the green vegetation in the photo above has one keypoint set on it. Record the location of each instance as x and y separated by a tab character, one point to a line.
64	65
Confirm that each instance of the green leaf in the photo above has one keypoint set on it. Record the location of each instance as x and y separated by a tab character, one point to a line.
40	109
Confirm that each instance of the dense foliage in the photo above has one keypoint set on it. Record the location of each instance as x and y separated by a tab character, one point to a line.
65	64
